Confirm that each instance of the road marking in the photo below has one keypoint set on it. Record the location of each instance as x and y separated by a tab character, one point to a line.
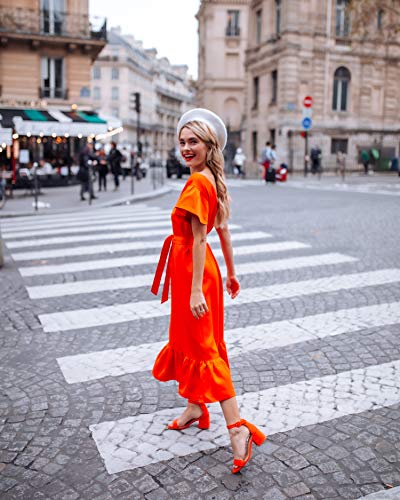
76	227
53	221
140	440
118	247
42	269
132	359
100	285
392	494
121	313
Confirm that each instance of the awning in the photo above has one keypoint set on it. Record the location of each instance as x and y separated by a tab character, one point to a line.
49	122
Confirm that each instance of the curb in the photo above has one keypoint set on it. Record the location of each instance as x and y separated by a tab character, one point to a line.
121	201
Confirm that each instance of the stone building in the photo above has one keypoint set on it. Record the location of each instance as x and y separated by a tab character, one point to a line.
46	52
124	68
299	48
223	27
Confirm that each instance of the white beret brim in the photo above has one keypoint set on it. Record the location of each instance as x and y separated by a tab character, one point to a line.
208	117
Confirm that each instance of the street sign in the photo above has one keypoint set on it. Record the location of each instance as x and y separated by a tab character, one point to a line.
306	123
308	101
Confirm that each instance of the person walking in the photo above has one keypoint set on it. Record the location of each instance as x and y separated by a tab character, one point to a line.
365	159
266	158
86	155
315	156
238	162
102	169
114	159
195	355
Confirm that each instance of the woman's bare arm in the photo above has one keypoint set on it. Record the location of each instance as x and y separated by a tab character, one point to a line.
198	303
232	283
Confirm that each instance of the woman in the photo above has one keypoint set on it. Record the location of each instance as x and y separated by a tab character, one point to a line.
195	355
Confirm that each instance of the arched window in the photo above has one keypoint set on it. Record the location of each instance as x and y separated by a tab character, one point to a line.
341	82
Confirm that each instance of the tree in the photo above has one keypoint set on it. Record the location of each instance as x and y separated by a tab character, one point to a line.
368	16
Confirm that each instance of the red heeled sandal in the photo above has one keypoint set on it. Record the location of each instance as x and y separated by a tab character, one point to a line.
203	420
255	436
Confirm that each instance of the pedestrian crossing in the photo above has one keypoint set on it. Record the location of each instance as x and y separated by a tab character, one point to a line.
51	247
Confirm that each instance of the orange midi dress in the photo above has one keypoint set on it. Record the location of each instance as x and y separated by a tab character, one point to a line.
195	355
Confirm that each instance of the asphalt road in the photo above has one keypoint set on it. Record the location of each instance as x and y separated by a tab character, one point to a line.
313	341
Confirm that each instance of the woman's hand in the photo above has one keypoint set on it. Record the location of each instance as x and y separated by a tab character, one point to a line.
198	304
232	286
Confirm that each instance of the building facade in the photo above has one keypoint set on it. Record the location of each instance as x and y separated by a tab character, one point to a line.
47	48
223	34
125	68
299	48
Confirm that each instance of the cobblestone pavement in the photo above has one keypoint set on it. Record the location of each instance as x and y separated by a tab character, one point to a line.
313	341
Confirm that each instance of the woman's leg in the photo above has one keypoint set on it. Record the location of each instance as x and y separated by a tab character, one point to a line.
237	435
191	411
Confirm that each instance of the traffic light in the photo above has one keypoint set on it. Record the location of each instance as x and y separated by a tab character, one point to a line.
303	133
137	102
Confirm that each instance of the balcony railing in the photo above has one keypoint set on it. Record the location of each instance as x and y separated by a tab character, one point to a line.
232	30
53	93
52	24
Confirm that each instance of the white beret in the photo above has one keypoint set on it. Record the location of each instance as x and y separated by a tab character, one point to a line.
208	117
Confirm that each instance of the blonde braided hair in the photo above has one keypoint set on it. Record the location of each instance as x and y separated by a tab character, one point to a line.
215	162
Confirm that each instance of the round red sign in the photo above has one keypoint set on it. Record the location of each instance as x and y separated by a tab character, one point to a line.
308	102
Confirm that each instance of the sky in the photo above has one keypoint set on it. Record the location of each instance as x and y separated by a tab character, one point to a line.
167	25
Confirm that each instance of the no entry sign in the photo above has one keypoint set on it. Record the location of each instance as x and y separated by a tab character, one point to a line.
308	101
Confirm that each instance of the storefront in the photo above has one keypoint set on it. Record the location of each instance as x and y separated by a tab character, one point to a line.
31	135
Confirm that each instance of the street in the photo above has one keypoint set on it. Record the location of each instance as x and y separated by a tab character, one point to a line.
313	340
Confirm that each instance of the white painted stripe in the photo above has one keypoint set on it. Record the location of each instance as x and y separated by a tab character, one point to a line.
98	213
132	359
92	229
101	285
81	238
48	228
392	494
60	117
121	313
138	441
147	259
117	247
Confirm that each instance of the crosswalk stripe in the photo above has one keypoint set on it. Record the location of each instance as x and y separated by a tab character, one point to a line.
148	259
105	227
36	222
140	440
121	313
76	226
118	247
132	359
100	285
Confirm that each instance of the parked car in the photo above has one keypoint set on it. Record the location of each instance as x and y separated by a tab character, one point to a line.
175	164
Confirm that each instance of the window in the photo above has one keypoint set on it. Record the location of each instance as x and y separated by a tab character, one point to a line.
278	13
341	83
114	73
274	87
379	20
342	18
52	13
256	90
254	145
96	73
96	93
52	77
272	135
114	93
339	145
232	27
258	25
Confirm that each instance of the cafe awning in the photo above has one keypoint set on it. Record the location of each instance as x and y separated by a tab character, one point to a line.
40	122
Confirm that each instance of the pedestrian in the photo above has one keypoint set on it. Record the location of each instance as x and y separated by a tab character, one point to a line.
340	163
102	169
114	159
365	159
238	162
125	162
266	158
315	156
195	355
85	156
